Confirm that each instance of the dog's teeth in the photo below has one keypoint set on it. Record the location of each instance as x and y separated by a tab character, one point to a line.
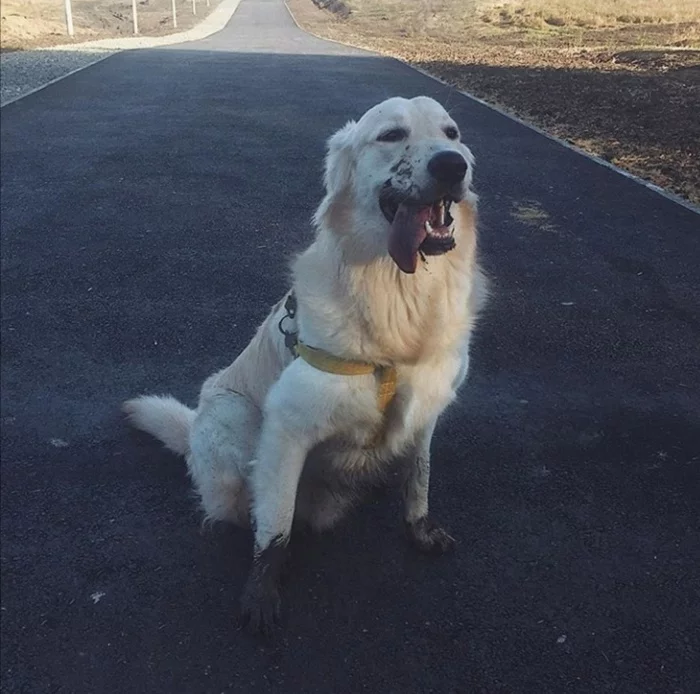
428	227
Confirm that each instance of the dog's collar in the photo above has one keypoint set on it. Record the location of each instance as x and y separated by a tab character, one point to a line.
329	363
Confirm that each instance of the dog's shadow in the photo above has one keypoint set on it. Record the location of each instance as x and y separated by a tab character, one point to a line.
354	574
360	572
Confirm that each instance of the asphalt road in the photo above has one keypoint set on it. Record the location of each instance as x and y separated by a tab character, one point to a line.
149	206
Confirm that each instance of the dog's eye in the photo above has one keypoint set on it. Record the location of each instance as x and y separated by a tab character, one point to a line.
452	132
395	135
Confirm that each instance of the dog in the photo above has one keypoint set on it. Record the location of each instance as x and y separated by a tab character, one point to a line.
348	374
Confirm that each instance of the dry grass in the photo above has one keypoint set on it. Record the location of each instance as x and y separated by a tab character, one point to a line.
620	79
596	14
37	23
555	23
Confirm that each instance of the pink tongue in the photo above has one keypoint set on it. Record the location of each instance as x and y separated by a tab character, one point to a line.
407	234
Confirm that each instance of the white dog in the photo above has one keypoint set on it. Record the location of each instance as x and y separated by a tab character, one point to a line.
383	304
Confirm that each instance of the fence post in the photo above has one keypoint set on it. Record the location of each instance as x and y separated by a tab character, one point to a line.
194	6
172	4
69	17
135	16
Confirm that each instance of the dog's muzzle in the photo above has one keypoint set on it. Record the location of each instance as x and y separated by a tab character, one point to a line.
423	224
448	168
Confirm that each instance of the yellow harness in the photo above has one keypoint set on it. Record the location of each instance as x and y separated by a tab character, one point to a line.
324	361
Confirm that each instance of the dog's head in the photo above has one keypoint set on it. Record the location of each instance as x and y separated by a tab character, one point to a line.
395	175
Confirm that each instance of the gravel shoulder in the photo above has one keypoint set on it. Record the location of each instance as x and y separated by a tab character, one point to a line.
26	71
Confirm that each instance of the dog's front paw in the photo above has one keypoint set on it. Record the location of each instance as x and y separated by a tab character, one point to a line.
260	607
260	603
429	537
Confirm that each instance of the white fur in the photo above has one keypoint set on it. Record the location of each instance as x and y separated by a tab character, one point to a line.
266	420
164	417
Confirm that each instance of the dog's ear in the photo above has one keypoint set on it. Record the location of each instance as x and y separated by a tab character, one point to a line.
471	161
339	163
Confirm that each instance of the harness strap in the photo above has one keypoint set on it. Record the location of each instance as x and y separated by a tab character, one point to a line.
324	361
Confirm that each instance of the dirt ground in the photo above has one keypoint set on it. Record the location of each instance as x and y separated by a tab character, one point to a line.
625	87
39	23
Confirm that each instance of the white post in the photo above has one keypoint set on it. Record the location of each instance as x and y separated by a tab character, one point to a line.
69	17
194	6
135	16
172	4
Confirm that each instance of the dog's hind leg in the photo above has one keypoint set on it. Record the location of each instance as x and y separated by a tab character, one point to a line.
222	443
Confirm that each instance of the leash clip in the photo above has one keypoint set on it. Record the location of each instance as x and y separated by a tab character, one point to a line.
291	338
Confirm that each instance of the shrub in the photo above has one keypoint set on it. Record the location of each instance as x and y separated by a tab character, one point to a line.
555	21
337	7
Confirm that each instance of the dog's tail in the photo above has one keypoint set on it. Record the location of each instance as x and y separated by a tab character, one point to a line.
163	417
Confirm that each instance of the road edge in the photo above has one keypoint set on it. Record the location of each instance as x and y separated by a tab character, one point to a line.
673	197
34	90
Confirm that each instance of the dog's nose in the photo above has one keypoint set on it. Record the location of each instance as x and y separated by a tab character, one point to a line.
448	167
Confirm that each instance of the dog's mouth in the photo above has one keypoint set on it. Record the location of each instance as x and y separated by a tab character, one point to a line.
418	229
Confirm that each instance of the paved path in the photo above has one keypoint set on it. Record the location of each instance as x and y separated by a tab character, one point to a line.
149	203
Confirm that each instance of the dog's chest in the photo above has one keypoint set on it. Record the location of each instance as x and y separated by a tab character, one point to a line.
422	393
